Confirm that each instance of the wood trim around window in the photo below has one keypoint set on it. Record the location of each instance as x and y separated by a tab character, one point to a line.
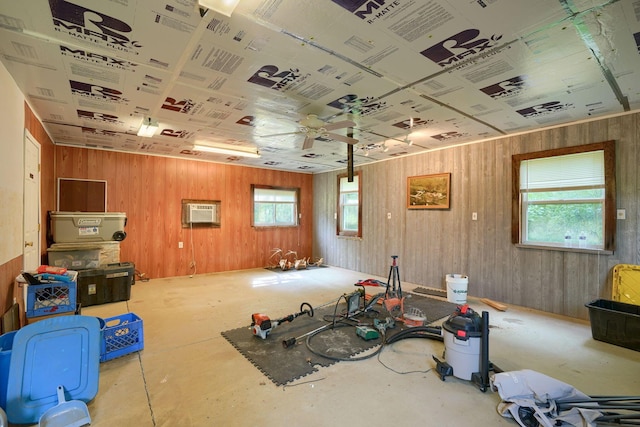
339	211
609	148
271	187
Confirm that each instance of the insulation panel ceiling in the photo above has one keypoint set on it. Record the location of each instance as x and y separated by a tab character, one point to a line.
436	73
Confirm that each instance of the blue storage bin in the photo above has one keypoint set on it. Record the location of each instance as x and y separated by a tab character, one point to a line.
6	344
63	350
53	297
122	334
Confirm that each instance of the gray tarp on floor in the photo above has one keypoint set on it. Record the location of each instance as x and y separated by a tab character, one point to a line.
529	396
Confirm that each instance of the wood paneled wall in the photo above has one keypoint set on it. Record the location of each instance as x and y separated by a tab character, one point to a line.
8	273
150	190
434	243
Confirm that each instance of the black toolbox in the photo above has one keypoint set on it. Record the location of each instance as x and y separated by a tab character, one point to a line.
119	277
110	283
91	287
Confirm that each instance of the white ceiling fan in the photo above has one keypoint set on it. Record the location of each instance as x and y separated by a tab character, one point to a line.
313	127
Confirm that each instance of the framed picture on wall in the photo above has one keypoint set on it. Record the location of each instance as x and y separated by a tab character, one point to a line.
429	191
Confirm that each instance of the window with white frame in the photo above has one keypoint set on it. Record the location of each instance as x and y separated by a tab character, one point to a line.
566	197
274	206
349	202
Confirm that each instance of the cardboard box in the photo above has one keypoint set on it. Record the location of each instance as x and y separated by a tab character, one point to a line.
31	320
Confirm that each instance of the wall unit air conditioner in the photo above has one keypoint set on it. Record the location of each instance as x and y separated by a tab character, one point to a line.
199	213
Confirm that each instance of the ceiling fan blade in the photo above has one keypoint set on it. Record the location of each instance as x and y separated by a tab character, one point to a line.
342	138
308	142
339	125
280	134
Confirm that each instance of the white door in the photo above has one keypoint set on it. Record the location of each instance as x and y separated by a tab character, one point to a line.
31	254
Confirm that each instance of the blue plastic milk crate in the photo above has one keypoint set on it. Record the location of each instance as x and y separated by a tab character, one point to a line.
53	297
122	334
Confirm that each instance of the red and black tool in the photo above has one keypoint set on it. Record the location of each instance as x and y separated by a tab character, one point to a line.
262	325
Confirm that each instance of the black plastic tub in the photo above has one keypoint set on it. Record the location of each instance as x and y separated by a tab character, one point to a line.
615	322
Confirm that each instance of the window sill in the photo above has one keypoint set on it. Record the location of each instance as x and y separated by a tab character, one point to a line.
342	236
564	249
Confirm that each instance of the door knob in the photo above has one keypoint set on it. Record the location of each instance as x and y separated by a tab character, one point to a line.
28	244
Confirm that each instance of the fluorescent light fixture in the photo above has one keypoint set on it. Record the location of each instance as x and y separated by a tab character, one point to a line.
231	152
225	7
148	128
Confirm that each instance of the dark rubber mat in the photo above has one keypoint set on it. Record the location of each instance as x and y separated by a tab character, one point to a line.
430	291
283	365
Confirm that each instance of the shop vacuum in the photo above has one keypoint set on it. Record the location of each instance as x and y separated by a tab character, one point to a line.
466	347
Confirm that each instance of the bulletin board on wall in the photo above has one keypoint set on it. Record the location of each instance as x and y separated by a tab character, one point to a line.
82	195
201	213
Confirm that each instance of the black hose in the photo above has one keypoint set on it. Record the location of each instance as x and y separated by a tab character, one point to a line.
339	359
429	332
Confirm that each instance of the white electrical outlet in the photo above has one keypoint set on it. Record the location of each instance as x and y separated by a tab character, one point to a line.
622	214
180	245
388	215
474	216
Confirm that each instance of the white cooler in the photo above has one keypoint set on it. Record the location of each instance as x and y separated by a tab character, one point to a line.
73	227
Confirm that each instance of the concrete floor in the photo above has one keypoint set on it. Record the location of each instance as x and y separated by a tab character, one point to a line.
189	375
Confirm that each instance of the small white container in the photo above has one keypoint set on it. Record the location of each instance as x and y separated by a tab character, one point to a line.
457	288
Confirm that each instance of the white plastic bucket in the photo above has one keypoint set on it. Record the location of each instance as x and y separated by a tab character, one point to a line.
457	285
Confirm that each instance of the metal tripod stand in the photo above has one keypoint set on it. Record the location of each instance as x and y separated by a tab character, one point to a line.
394	276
